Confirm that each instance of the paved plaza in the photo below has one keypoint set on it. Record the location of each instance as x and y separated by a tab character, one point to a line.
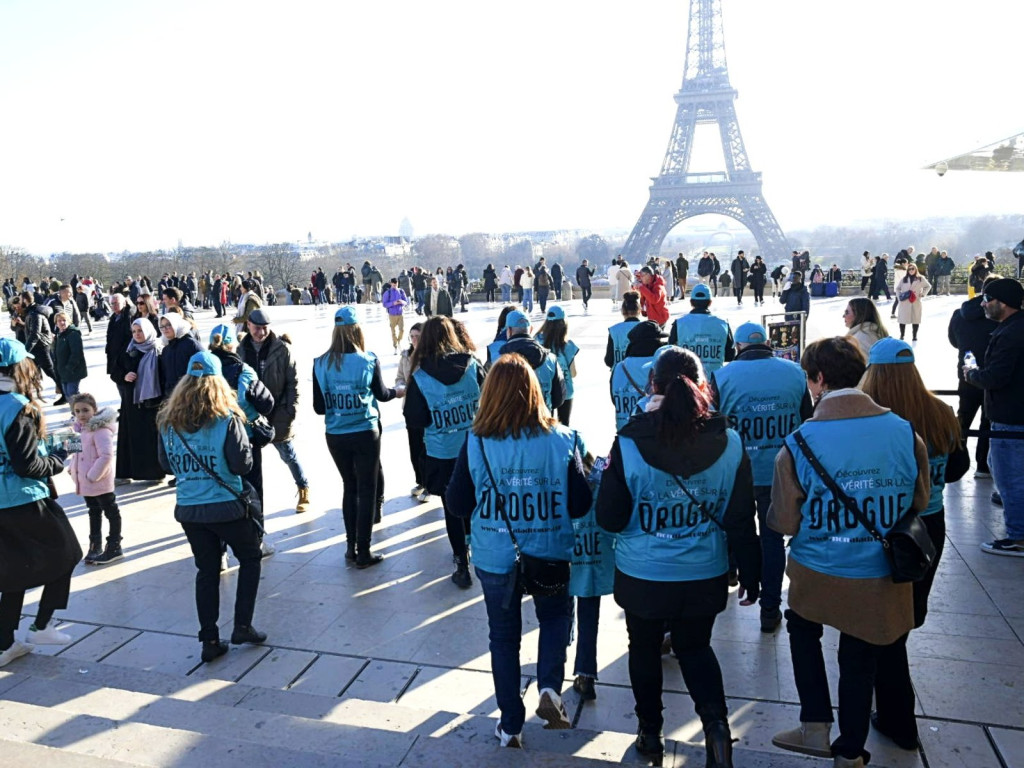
389	666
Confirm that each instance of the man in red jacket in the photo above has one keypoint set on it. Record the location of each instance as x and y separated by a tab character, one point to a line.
653	301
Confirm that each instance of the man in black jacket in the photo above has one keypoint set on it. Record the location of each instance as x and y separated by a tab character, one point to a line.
1002	378
38	337
583	274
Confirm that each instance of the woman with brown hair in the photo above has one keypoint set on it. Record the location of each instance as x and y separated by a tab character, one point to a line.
893	381
347	384
146	306
910	293
204	445
865	324
515	435
441	400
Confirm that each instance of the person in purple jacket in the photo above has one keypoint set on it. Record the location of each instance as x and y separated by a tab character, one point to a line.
394	301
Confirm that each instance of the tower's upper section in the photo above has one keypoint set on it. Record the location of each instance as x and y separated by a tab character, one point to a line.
705	49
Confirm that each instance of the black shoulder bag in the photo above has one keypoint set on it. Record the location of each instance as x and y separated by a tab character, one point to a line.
907	545
536	576
249	499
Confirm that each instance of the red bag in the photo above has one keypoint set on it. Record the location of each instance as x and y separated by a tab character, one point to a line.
913	297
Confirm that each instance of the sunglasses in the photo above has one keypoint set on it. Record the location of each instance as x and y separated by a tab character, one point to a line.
986	298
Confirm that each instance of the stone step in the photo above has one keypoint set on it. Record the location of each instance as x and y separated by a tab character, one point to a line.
208	717
22	753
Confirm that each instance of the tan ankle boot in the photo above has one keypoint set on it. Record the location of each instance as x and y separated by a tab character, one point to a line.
813	739
303	504
845	762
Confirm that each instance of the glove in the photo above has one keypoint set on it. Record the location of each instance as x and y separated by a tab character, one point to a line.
59	452
749	593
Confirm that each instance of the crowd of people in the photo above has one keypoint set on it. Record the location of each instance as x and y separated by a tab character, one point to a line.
723	448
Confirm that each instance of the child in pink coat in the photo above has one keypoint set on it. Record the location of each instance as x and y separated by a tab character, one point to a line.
93	473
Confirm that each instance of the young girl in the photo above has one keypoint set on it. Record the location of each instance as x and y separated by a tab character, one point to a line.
93	473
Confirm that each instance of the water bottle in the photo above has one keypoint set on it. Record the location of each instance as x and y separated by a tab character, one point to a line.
969	360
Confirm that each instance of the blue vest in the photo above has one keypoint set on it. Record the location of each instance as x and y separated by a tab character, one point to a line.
761	399
629	385
494	351
669	537
593	556
532	474
705	336
14	489
872	459
349	403
546	376
619	334
564	358
194	485
452	408
937	469
245	380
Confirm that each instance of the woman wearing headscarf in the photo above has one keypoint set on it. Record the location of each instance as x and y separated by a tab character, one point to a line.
37	545
758	279
179	346
143	393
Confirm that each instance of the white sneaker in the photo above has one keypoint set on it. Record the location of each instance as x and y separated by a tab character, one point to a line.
424	497
552	710
266	550
16	651
417	490
48	636
509	740
224	565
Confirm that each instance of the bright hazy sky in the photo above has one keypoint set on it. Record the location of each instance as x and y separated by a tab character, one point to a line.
141	123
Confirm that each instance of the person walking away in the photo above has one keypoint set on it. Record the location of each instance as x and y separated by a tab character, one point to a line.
628	383
671	569
758	278
618	334
707	336
520	443
347	385
542	285
969	331
490	283
893	382
544	364
653	301
505	283
554	336
203	443
68	355
442	398
880	279
1002	379
910	293
394	301
271	357
557	276
613	285
92	469
740	268
841	577
583	274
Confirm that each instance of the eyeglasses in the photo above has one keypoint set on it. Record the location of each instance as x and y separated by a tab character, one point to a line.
986	298
165	326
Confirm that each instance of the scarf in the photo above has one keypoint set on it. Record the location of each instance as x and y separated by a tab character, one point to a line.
147	383
180	325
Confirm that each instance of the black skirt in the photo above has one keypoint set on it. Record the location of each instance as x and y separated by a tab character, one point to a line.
671	599
37	545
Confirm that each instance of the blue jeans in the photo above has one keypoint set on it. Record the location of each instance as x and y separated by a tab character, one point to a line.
1005	459
503	600
773	551
420	294
588	612
506	293
69	388
528	306
286	450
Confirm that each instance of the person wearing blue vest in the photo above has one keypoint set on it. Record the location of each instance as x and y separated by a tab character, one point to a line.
628	385
838	573
544	364
442	398
554	336
204	445
500	337
707	336
524	457
764	398
678	491
893	381
618	334
347	383
37	545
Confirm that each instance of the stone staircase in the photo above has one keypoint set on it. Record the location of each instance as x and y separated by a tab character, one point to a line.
60	711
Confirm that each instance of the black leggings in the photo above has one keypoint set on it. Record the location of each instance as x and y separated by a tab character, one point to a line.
55	597
914	327
357	457
104	504
564	411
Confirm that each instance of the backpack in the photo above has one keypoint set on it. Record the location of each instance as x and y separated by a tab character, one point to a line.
542	280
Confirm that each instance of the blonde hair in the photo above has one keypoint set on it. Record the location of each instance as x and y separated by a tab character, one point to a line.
196	401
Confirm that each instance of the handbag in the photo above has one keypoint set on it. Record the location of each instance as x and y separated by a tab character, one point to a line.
263	432
906	295
249	499
536	576
907	545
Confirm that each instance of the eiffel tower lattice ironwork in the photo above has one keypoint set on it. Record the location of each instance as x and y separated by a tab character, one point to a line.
706	96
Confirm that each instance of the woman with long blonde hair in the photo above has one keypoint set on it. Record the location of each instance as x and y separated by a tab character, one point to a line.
204	445
893	381
519	474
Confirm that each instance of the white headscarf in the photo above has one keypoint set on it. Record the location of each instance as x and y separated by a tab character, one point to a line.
178	323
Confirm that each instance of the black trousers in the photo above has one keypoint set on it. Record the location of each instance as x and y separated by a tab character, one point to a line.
972	400
104	504
564	412
586	291
691	641
417	450
205	540
44	361
54	598
357	457
255	476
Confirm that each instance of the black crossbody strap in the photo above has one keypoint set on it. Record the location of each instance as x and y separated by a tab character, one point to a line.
700	504
497	503
640	390
838	492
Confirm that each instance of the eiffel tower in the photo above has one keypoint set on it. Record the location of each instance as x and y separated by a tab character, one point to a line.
706	96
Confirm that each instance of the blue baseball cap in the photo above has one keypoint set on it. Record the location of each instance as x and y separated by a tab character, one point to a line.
204	364
751	333
646	367
516	319
889	350
700	292
346	316
13	351
227	334
555	313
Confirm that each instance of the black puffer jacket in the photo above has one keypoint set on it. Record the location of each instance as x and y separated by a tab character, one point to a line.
275	365
1002	376
969	331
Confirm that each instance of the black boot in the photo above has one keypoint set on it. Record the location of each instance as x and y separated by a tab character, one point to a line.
247	634
718	743
95	548
213	649
461	577
110	554
365	558
649	741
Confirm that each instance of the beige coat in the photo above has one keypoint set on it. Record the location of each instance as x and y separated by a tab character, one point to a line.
865	334
877	611
909	313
